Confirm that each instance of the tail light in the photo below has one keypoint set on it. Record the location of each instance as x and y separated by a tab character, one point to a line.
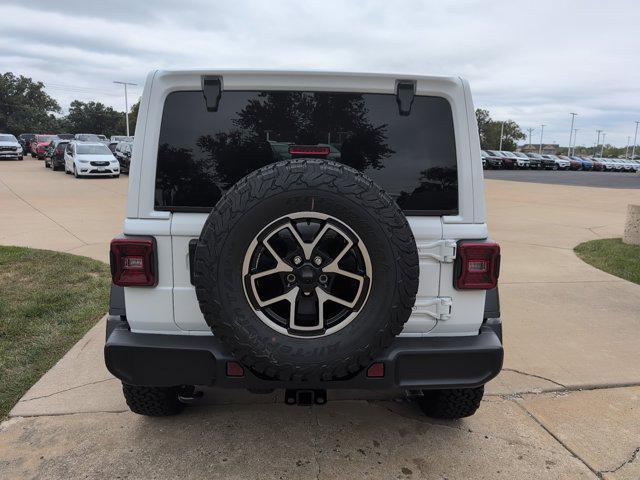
133	262
314	150
477	265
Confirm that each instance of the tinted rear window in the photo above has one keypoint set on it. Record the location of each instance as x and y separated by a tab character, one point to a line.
202	153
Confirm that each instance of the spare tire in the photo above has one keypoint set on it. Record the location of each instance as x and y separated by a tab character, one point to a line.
306	270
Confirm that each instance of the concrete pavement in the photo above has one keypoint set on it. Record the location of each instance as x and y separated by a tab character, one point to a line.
567	327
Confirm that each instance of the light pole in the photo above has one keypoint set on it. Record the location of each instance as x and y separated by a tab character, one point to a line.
575	135
573	116
126	102
541	132
598	142
635	139
602	146
501	133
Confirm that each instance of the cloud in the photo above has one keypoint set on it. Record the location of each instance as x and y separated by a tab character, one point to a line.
533	62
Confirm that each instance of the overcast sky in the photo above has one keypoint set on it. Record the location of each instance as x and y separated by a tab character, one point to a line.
532	61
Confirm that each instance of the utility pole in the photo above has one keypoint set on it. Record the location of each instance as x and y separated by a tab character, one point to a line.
501	133
598	142
635	139
530	130
575	135
126	102
573	116
602	146
626	151
541	132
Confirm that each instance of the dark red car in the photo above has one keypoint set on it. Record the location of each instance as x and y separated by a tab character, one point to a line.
39	145
597	164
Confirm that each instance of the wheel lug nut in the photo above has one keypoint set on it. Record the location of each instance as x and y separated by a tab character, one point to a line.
323	278
297	259
291	278
317	260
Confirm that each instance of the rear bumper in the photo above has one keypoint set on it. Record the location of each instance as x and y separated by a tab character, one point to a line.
409	363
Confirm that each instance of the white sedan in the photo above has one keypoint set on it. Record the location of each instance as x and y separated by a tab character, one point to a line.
90	160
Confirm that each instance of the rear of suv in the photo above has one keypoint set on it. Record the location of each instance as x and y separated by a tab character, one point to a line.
306	232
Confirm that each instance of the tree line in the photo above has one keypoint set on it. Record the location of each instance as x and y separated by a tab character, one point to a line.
25	107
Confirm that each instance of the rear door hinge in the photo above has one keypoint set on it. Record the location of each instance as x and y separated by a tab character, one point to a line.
405	92
212	91
443	251
435	307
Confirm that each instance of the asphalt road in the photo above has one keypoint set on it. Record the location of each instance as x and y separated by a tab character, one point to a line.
568	177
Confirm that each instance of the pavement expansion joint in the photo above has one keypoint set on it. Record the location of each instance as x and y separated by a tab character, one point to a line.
534	376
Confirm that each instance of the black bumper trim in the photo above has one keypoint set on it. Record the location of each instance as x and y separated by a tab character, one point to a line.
410	362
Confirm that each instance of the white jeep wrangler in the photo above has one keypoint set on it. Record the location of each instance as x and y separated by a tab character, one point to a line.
305	231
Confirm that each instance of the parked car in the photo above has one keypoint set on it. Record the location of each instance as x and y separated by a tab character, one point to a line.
548	163
490	161
598	166
263	289
607	164
10	147
523	159
535	160
573	164
586	164
123	154
627	166
50	149
558	163
112	146
507	162
635	164
617	163
121	138
25	140
86	137
57	156
39	145
86	159
518	161
66	136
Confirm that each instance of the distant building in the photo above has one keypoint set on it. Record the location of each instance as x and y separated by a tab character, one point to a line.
547	148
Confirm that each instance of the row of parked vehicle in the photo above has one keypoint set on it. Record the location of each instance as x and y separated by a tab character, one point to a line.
82	154
494	159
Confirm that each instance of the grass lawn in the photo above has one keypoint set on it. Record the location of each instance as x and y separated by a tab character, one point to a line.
612	256
48	301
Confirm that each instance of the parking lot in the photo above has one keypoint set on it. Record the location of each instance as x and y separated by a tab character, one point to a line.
565	406
624	180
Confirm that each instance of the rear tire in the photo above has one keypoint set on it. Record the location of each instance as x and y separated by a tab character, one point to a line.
153	401
451	404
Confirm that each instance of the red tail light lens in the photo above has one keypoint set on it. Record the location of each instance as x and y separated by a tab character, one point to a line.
477	265
234	369
309	150
133	262
376	370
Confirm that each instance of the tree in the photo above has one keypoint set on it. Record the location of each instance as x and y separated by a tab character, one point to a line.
25	106
489	131
133	117
94	117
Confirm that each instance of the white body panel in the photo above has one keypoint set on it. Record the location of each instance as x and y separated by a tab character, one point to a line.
172	307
